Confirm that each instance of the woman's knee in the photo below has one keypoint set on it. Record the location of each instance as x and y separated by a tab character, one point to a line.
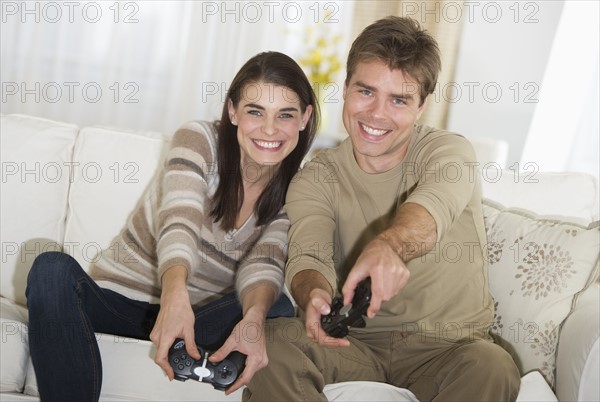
51	270
52	263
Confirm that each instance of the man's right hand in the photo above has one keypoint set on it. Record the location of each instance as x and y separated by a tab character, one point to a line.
313	293
319	304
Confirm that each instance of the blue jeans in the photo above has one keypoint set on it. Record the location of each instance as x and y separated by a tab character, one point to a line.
66	308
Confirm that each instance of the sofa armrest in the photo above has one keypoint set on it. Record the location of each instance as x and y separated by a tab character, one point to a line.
14	347
578	355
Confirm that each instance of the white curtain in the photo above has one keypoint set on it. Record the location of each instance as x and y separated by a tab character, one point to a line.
147	65
564	132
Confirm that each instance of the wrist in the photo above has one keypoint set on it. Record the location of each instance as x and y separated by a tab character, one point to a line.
256	314
306	283
389	240
174	282
257	300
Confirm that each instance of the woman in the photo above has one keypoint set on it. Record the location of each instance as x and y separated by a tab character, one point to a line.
202	254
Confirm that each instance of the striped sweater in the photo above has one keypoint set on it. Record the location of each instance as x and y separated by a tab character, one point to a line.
171	225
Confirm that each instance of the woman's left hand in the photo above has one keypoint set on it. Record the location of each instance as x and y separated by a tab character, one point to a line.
248	338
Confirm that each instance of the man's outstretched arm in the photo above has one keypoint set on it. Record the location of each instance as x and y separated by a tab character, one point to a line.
411	234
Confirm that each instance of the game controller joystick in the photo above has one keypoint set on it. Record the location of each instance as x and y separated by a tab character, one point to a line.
221	374
341	317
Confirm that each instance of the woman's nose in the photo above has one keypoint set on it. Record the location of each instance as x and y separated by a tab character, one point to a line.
269	127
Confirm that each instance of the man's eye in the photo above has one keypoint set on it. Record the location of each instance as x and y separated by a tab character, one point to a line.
365	92
399	101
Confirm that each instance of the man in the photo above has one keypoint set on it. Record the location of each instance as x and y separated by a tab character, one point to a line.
399	203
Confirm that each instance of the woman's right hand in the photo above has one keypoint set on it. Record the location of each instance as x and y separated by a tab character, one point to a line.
175	319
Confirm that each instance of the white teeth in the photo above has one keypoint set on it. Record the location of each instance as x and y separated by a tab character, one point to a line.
268	144
373	131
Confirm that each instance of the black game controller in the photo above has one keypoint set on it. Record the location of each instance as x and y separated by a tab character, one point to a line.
221	375
336	323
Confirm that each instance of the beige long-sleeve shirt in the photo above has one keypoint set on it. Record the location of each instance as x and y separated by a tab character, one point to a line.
335	209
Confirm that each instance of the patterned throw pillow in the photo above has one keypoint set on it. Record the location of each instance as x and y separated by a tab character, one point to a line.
537	267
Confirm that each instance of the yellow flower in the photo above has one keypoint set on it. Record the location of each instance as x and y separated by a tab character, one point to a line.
316	58
321	61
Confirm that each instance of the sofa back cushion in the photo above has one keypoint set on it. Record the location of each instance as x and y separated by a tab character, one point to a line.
539	262
35	182
537	268
112	169
573	195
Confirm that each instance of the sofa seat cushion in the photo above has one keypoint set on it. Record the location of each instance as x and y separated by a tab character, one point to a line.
359	391
130	374
535	389
537	269
36	155
14	347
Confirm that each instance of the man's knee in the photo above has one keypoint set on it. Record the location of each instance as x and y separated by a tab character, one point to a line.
278	380
487	363
481	354
284	330
473	371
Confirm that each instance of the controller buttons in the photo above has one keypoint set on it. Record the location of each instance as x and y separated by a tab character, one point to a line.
225	372
341	317
220	375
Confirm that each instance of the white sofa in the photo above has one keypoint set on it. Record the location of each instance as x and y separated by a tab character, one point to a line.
71	188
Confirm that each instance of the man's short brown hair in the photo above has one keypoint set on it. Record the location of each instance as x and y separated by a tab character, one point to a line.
401	44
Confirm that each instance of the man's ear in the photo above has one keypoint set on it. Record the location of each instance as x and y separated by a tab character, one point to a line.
422	107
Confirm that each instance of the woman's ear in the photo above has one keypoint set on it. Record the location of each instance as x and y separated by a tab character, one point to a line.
232	112
306	116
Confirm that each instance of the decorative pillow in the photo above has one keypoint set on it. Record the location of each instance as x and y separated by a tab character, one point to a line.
537	269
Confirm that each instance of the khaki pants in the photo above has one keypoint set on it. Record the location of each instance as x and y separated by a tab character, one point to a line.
438	370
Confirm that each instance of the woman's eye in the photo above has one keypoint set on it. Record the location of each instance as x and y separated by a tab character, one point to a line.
286	115
254	112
